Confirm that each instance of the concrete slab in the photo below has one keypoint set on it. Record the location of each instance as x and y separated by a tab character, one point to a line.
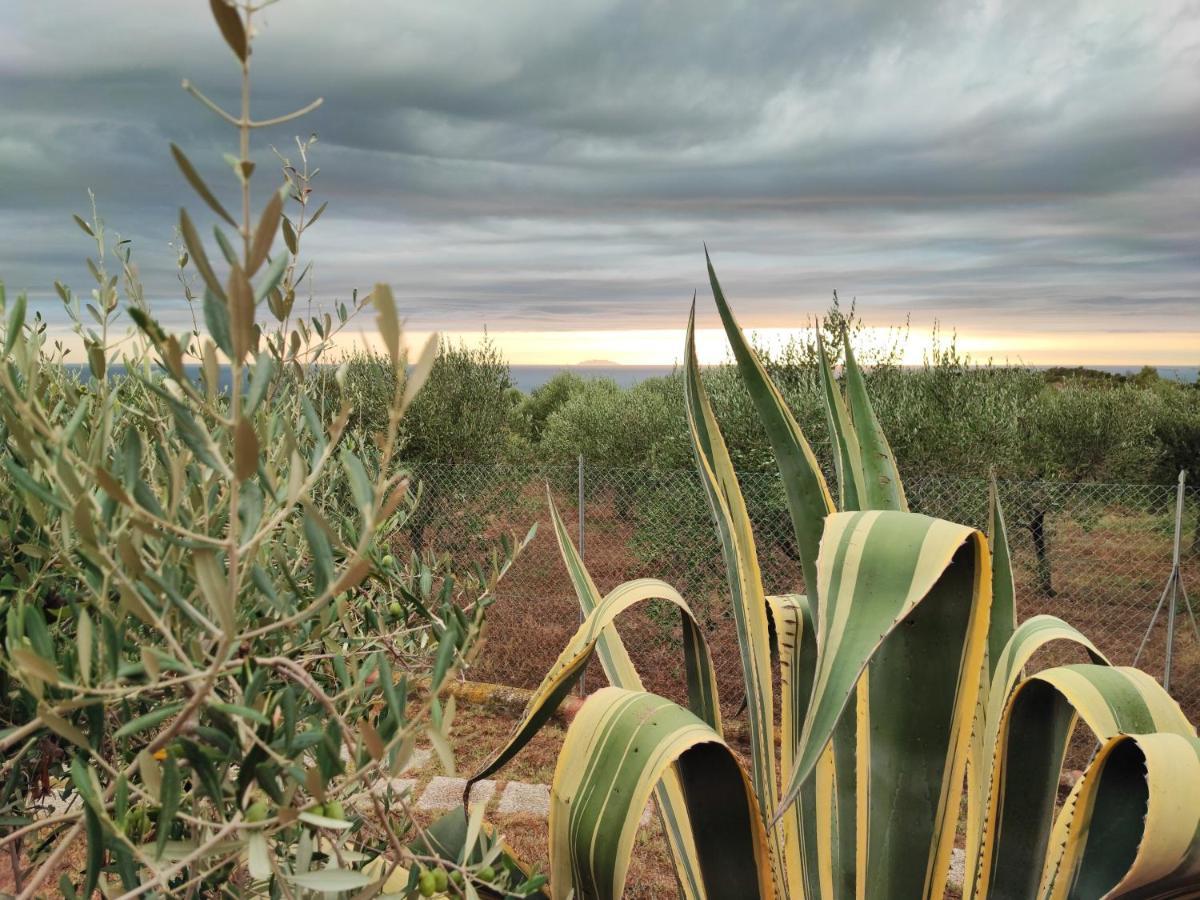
418	760
520	798
447	793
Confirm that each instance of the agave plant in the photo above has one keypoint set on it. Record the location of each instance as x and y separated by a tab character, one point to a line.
901	690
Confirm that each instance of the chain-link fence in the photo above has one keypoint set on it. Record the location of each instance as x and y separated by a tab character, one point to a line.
1097	555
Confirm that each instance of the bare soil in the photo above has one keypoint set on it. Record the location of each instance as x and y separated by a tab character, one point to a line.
1107	576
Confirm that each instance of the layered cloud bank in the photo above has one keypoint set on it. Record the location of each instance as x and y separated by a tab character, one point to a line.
1012	169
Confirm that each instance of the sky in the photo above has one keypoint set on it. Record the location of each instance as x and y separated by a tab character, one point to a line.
1025	173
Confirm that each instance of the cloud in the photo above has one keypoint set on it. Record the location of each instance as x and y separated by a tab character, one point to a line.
531	165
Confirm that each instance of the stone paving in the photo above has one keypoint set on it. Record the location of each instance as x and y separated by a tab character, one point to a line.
442	793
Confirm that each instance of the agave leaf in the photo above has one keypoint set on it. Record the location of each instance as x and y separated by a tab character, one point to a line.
1004	605
897	590
1157	772
882	488
1031	744
794	640
1030	637
847	455
808	496
616	750
619	668
701	679
741	564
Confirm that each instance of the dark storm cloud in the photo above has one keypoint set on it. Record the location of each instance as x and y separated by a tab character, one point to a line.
557	165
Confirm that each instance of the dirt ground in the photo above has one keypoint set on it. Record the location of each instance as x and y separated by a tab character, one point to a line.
1107	576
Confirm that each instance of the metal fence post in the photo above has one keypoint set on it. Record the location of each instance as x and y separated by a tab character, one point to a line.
580	501
1175	575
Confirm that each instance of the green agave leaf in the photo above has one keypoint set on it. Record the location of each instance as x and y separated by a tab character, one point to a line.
1021	851
619	668
882	488
741	565
571	663
808	496
896	590
1004	604
619	746
1110	850
847	456
794	640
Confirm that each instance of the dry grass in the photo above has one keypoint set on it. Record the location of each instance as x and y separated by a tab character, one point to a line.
1107	578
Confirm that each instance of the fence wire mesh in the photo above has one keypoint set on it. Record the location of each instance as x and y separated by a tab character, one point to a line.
1097	555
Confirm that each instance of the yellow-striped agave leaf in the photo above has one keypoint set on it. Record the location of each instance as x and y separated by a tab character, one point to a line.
795	644
1030	636
847	456
1004	591
1019	854
807	494
1134	827
619	667
882	488
910	595
745	585
619	746
701	680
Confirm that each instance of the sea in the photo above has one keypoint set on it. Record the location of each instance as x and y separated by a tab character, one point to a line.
528	378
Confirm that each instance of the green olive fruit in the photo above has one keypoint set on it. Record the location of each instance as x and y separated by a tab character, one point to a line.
334	810
389	561
396	609
256	811
487	873
440	879
426	884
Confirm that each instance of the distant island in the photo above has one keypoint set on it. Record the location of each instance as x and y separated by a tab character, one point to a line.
598	362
